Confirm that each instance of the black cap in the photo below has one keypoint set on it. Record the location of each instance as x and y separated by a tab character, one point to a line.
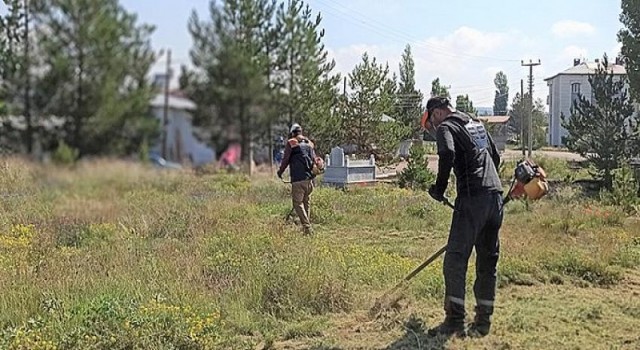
437	102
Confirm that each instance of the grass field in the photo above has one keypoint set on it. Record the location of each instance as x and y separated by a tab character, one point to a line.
117	256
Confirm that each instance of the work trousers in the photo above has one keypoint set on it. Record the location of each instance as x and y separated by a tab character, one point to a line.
300	193
476	222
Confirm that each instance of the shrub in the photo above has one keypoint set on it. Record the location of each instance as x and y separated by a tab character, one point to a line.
417	174
65	155
624	191
143	151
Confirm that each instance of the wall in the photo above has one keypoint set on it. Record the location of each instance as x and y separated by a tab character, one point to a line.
181	143
561	102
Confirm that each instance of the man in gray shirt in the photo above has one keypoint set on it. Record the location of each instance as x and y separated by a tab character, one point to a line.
466	146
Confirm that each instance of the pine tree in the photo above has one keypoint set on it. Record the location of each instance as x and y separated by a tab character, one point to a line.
501	100
373	95
602	130
231	52
519	116
464	104
417	175
96	61
409	99
11	33
630	39
438	89
308	88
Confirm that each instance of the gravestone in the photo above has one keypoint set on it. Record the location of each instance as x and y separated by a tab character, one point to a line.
341	170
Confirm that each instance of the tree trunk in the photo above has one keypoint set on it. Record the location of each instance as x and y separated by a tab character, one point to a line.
79	105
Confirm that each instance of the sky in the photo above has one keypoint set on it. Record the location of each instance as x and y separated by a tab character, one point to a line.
463	42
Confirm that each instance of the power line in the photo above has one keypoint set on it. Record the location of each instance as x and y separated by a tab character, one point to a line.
387	31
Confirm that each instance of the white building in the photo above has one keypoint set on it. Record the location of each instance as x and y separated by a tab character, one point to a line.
564	88
182	145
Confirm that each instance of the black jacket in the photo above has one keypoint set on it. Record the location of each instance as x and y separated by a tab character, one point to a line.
466	146
299	156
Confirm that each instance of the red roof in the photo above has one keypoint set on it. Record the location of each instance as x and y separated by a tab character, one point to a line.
494	119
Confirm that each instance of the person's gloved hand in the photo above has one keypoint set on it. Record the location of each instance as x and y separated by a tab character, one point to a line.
280	174
435	194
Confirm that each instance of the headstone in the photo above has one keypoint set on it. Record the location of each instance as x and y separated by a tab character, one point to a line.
342	171
337	157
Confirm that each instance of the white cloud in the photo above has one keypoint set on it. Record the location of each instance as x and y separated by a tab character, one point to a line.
615	50
571	28
571	52
466	59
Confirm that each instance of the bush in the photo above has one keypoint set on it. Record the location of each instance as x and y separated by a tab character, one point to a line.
417	174
624	191
143	151
65	155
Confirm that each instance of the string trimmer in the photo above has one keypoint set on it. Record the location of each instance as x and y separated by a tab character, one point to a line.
528	181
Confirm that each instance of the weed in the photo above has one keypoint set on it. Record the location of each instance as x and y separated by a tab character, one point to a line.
587	269
84	260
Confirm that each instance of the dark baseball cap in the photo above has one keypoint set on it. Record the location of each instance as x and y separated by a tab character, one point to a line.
437	102
433	103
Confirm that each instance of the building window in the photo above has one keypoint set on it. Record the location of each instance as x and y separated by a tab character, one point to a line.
575	88
575	92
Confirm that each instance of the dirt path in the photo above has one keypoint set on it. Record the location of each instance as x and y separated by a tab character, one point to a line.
507	155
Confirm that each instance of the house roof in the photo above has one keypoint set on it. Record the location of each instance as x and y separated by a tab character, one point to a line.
174	102
586	68
494	119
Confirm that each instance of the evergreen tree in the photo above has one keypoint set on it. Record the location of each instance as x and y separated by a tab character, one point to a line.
373	95
519	117
464	104
438	89
409	99
95	64
603	130
417	175
232	54
11	33
630	39
501	100
308	88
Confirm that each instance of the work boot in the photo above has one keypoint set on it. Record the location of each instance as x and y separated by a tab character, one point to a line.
481	324
453	323
450	327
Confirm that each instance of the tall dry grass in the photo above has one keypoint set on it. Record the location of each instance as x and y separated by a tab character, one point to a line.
115	254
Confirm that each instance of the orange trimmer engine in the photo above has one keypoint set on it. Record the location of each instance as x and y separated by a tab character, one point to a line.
530	181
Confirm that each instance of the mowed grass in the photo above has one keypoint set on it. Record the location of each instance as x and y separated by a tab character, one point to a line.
111	255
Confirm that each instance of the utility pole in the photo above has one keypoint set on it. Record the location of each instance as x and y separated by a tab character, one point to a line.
165	117
522	117
27	85
531	64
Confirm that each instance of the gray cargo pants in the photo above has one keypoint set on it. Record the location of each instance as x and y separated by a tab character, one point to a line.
476	222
